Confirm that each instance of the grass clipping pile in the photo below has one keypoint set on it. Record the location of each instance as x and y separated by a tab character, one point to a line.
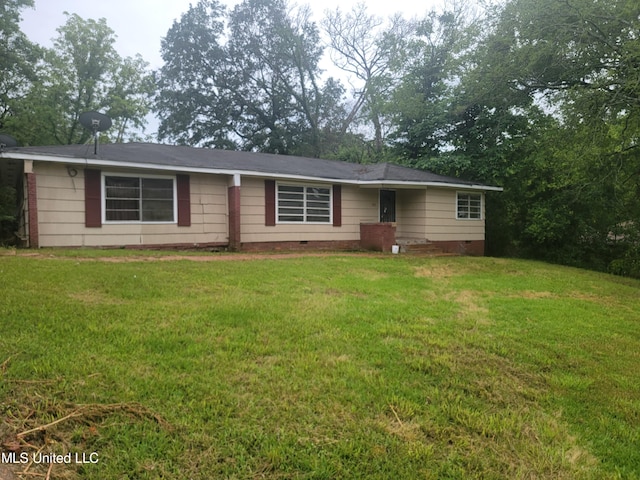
34	425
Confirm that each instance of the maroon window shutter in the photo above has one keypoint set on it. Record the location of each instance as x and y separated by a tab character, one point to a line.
337	205
92	199
184	200
270	203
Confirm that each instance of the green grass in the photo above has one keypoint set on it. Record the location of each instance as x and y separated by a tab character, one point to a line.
320	367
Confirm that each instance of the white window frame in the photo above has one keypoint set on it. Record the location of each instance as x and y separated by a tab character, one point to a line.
139	176
305	208
469	217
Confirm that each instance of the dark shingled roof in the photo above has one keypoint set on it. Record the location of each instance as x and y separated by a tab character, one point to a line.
182	157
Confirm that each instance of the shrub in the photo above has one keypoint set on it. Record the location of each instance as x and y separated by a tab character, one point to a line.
628	266
8	222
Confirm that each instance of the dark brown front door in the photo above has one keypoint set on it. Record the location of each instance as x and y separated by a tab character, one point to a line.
387	206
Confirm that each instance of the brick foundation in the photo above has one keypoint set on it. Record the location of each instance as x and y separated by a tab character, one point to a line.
462	247
336	245
213	246
377	236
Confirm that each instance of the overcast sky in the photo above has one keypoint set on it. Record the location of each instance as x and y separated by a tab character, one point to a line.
140	24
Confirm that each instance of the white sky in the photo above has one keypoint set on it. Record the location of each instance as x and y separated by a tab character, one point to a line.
140	24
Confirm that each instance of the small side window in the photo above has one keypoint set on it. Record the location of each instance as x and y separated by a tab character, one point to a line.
469	206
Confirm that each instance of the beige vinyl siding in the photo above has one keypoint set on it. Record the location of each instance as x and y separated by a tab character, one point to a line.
357	206
411	208
361	206
421	213
441	221
61	213
431	214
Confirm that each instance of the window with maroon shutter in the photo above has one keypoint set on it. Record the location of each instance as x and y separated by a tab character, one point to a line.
148	199
303	204
130	198
138	199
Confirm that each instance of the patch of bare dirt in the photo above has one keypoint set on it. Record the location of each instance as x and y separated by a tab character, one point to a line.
8	472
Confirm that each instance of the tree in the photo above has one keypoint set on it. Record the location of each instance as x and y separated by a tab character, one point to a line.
192	102
130	98
276	56
583	45
424	104
17	57
365	47
83	72
561	82
260	90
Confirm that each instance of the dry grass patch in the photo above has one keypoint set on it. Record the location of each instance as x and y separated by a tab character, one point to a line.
438	271
95	297
34	424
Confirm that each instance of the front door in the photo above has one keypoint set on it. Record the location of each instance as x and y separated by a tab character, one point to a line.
387	206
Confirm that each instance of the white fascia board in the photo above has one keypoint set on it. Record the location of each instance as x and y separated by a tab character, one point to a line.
92	162
463	186
89	162
390	184
395	184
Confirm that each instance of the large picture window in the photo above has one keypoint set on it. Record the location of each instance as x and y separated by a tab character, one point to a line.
303	204
469	206
139	199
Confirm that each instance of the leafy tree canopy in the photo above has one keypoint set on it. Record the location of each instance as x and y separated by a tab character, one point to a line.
554	92
247	79
17	56
83	72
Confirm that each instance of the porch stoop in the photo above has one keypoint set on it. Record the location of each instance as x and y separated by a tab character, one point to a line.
418	246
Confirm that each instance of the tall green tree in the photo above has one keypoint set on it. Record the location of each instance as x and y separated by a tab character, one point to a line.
18	56
276	52
84	72
249	79
366	47
192	102
130	98
576	172
424	103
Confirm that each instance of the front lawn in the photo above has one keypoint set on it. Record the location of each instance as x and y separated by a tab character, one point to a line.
324	367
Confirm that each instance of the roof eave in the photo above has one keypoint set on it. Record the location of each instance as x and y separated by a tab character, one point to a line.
97	162
417	184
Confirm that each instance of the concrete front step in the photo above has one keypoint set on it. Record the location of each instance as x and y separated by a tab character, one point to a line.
427	248
418	246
